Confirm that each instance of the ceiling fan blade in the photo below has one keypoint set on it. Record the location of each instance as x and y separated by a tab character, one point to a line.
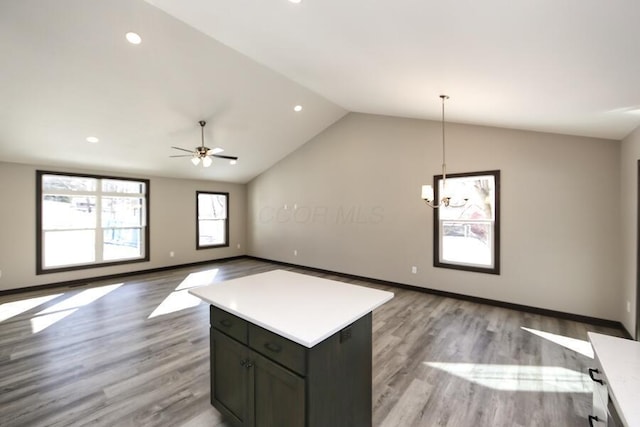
183	149
224	157
183	155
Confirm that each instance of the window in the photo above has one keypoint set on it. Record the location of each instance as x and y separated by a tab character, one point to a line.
212	225
467	237
86	221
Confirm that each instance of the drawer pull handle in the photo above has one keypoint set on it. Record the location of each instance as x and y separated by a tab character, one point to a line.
226	323
592	419
246	363
595	371
272	347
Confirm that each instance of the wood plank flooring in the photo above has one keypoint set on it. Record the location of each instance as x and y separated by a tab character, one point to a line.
83	356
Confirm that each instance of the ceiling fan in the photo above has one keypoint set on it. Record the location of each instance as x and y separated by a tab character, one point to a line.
204	153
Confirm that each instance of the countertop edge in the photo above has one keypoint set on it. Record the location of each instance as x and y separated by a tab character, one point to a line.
247	305
298	340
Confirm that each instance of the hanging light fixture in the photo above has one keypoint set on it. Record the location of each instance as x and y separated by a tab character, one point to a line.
203	153
427	190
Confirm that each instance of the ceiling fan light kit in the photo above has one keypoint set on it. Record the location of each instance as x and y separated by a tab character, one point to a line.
203	153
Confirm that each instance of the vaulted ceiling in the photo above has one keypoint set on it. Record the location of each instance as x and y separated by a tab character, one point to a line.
67	72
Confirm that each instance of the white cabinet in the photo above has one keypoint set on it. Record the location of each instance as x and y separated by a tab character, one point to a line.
600	397
616	376
603	412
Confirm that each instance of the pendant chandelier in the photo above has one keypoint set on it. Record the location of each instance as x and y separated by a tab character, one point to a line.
427	190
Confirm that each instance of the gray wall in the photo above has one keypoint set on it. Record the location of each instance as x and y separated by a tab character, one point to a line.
172	204
629	155
349	201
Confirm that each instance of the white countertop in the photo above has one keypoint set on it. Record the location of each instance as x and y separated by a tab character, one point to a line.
620	361
302	308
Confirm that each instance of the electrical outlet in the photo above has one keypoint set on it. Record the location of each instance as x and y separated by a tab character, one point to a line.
628	307
171	254
0	273
414	269
295	252
238	245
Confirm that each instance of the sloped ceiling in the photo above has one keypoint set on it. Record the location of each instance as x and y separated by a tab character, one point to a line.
68	73
567	66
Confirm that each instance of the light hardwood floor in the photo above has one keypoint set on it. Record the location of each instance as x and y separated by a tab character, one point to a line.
115	354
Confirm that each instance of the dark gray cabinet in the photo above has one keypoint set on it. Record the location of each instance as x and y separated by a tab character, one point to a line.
232	377
261	379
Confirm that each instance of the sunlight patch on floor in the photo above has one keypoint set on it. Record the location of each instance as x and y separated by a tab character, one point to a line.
59	311
14	308
579	346
549	379
180	298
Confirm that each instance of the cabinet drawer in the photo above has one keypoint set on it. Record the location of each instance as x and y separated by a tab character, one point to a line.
228	323
286	352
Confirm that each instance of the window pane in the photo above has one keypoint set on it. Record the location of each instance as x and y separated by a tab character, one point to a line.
122	243
68	212
212	206
68	247
122	186
212	232
480	192
467	242
122	211
63	182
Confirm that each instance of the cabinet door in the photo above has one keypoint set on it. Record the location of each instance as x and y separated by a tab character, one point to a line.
598	417
230	370
279	395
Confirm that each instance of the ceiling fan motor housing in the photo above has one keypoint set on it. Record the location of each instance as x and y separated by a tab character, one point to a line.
202	151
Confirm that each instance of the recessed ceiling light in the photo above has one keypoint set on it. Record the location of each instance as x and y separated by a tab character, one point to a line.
92	139
233	162
133	38
297	108
295	1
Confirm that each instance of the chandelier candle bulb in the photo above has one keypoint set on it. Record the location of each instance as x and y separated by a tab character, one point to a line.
427	192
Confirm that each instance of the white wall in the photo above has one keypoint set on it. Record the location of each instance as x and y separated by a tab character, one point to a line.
357	187
629	155
172	220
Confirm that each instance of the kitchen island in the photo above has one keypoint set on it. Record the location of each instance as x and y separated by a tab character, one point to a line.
291	350
616	394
